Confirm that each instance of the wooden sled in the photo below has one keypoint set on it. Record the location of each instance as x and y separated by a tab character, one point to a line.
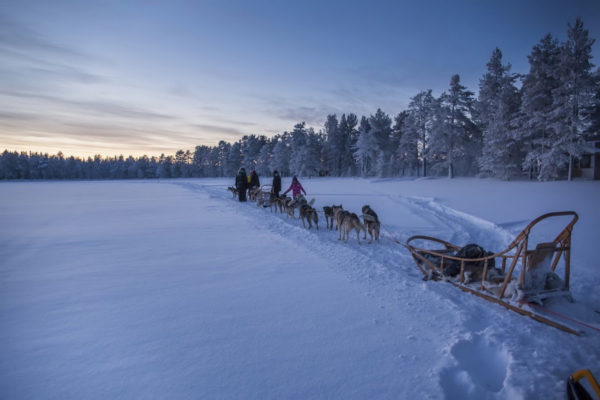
530	280
263	196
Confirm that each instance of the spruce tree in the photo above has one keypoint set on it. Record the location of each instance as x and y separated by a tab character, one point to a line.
497	115
574	94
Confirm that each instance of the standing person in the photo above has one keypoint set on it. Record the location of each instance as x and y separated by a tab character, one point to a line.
295	187
241	184
276	186
254	181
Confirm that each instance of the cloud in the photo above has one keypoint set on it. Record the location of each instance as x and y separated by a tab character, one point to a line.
94	107
218	130
67	73
310	115
21	39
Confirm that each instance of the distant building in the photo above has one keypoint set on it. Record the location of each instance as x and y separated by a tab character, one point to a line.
588	165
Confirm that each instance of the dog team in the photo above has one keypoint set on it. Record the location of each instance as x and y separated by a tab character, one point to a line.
345	221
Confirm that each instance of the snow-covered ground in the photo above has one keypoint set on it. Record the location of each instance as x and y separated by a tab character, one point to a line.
169	289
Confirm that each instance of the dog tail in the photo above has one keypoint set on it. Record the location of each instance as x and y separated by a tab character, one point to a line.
311	202
358	225
370	218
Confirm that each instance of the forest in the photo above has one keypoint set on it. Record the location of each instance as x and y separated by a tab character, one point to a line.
534	125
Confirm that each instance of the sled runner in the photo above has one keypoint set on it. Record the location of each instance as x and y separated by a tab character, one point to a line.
530	282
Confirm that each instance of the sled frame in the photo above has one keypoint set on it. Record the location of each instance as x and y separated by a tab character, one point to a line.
517	251
264	196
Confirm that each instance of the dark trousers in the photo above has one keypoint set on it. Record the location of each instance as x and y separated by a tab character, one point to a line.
242	194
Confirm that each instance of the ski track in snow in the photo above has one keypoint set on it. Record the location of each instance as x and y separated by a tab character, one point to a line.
491	350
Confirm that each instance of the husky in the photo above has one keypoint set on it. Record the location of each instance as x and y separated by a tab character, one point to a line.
305	211
297	202
349	223
328	211
371	222
281	203
233	191
337	216
288	206
339	219
253	193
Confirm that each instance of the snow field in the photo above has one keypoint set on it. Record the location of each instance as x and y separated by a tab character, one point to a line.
170	289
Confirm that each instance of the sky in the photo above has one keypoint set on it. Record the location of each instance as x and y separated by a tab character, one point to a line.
152	77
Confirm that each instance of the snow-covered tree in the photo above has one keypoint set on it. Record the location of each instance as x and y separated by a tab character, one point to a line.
348	131
280	159
497	113
263	163
536	127
455	134
251	146
366	148
298	149
312	156
574	94
422	118
395	137
381	129
233	160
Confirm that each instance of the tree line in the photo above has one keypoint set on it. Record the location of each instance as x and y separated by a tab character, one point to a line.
536	124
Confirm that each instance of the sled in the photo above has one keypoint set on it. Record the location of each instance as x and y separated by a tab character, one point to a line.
577	391
264	196
522	278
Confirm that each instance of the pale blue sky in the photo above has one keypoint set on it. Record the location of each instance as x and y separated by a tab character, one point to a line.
151	77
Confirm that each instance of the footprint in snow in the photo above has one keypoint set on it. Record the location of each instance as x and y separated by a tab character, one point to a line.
479	370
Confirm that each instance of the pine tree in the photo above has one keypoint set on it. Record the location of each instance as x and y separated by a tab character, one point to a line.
381	129
333	145
574	94
497	114
536	132
366	148
395	137
348	130
280	159
421	121
407	153
455	133
298	149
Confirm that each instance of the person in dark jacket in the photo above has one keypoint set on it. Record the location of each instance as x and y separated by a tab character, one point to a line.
254	181
241	184
276	187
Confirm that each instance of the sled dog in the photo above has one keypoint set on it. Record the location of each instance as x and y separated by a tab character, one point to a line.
337	216
289	206
253	193
234	191
339	219
371	222
281	203
349	223
328	211
306	212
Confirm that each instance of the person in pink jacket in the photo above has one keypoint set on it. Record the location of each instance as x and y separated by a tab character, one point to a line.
295	187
